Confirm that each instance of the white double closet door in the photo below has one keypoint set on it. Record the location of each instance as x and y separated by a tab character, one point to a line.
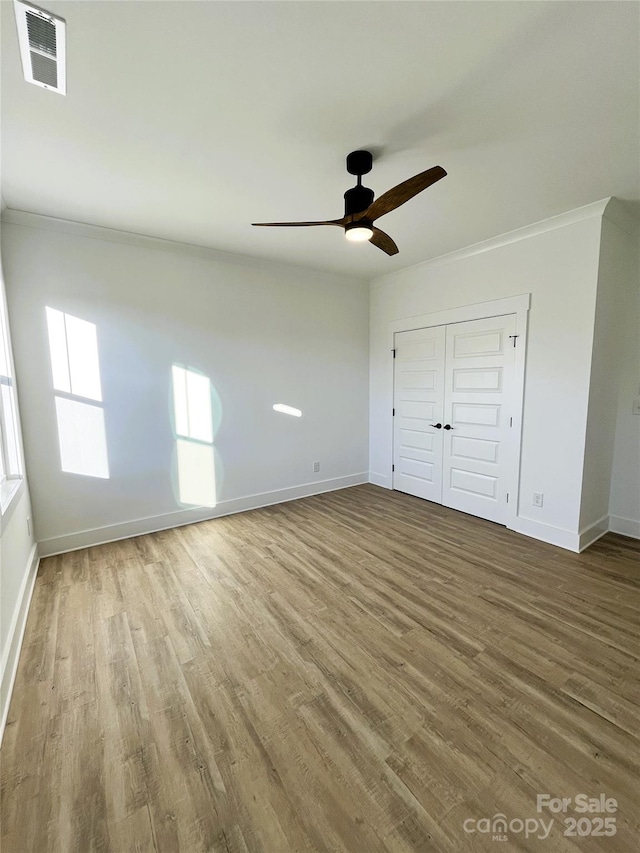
453	415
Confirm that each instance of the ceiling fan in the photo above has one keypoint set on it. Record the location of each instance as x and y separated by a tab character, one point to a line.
361	211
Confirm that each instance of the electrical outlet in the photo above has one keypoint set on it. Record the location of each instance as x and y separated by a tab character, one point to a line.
316	467
29	526
538	498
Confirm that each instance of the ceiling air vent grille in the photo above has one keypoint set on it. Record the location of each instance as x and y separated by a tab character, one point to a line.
42	34
42	46
44	70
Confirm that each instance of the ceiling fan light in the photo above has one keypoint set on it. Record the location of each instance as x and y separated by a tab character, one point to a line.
358	233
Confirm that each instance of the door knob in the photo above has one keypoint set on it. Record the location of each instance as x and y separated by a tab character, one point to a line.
436	426
448	426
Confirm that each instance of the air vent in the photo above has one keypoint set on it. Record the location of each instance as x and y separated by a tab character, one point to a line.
41	36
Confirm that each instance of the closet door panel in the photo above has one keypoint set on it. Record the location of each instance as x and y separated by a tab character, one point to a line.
478	380
418	405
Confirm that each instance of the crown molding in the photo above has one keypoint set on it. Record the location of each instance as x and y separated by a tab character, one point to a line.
39	221
611	207
561	220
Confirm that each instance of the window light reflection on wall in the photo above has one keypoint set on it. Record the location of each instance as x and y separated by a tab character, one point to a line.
73	347
194	437
287	410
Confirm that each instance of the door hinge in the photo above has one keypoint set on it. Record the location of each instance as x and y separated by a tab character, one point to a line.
394	353
394	412
507	497
514	338
393	467
510	422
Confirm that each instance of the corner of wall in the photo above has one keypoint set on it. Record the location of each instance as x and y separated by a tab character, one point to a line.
621	239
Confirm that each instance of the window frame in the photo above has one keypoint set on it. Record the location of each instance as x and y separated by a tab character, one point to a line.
11	453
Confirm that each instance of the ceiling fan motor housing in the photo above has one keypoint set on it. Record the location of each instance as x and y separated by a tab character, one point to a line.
357	199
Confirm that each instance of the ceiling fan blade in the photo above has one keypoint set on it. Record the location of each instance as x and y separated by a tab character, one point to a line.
299	224
383	241
393	198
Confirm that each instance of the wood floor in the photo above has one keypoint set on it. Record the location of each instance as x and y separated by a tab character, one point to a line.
359	671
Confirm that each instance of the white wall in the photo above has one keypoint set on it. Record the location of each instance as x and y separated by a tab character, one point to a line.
263	333
18	565
624	506
612	343
557	263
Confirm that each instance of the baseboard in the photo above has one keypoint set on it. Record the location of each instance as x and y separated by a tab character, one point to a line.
576	542
380	480
593	532
624	526
547	533
11	656
151	524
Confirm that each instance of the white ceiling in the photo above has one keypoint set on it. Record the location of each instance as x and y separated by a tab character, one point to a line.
190	120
